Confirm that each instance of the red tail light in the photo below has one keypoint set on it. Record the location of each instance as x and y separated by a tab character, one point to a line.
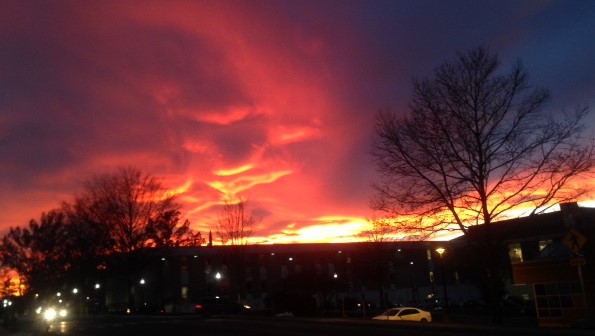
197	307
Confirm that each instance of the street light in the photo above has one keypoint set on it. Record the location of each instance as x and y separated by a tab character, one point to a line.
98	301
218	277
441	251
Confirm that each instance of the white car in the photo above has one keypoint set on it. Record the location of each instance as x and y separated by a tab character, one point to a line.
405	314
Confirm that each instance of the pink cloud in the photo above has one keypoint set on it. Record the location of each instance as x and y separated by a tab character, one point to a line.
270	100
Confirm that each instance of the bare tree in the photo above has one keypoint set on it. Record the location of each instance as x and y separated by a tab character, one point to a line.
127	202
234	225
6	285
380	232
379	229
476	144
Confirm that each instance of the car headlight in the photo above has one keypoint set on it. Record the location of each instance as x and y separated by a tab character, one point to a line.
49	314
63	313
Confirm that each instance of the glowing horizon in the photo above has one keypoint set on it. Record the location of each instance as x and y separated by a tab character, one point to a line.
272	101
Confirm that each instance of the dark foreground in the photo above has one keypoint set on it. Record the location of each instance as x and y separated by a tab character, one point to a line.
224	326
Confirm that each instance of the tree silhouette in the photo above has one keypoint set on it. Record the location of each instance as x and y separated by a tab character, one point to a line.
166	231
234	226
379	234
39	253
477	143
88	240
111	221
127	202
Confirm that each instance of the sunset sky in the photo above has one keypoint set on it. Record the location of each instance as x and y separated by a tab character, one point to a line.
271	100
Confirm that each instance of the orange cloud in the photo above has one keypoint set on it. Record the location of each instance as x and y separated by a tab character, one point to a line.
240	184
226	117
273	102
323	230
233	171
282	135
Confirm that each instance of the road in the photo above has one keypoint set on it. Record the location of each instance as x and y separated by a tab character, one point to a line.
227	326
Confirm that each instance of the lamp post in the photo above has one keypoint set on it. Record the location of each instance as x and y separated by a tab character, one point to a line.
441	251
97	299
142	283
218	277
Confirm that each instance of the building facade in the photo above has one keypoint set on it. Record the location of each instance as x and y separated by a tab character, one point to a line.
548	261
305	279
551	257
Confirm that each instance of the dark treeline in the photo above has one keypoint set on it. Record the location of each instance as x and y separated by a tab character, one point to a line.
122	213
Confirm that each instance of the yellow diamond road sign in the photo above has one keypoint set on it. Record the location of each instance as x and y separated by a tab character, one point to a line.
574	240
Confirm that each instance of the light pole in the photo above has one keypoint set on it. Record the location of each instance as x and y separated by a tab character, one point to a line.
440	251
218	277
142	283
97	298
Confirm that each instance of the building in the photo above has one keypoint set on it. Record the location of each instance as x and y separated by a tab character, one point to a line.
550	257
305	279
553	256
548	260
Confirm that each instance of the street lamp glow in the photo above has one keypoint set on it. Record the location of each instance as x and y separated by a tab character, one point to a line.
75	290
440	250
142	281
218	276
97	286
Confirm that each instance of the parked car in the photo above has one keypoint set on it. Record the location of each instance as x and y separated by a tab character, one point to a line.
405	314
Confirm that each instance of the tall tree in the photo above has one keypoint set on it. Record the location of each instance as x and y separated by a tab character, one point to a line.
234	224
127	202
477	143
38	253
234	227
380	232
89	241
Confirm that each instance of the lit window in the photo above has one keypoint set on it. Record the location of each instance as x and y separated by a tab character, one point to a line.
544	243
515	252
